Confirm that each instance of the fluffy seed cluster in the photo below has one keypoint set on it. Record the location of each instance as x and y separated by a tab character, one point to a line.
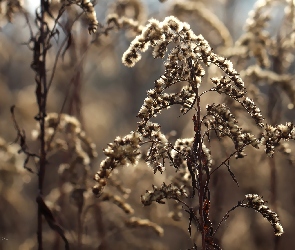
121	22
181	151
155	103
122	152
272	136
211	21
159	148
207	158
224	123
88	8
290	12
185	63
253	110
115	199
158	101
8	8
256	74
223	85
257	18
135	222
188	52
164	192
273	57
257	203
227	66
159	35
134	9
257	40
10	161
64	132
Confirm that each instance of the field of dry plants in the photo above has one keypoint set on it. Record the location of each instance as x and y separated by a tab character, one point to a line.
145	124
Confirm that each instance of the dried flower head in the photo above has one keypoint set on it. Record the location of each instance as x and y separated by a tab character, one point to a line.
65	132
122	152
163	192
257	203
117	200
212	22
135	222
9	8
273	135
88	8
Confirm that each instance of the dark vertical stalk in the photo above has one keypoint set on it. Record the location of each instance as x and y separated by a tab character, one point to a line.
200	170
197	159
41	94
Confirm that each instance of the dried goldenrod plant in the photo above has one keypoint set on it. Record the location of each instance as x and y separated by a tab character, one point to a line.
186	58
196	69
40	43
10	7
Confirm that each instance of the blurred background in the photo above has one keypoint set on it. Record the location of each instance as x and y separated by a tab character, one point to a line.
91	83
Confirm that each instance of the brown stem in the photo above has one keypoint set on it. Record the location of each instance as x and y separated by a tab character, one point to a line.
41	95
197	158
200	170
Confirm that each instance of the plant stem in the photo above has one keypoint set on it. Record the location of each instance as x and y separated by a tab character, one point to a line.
41	95
197	158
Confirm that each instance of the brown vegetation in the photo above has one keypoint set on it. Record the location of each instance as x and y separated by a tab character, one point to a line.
177	179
